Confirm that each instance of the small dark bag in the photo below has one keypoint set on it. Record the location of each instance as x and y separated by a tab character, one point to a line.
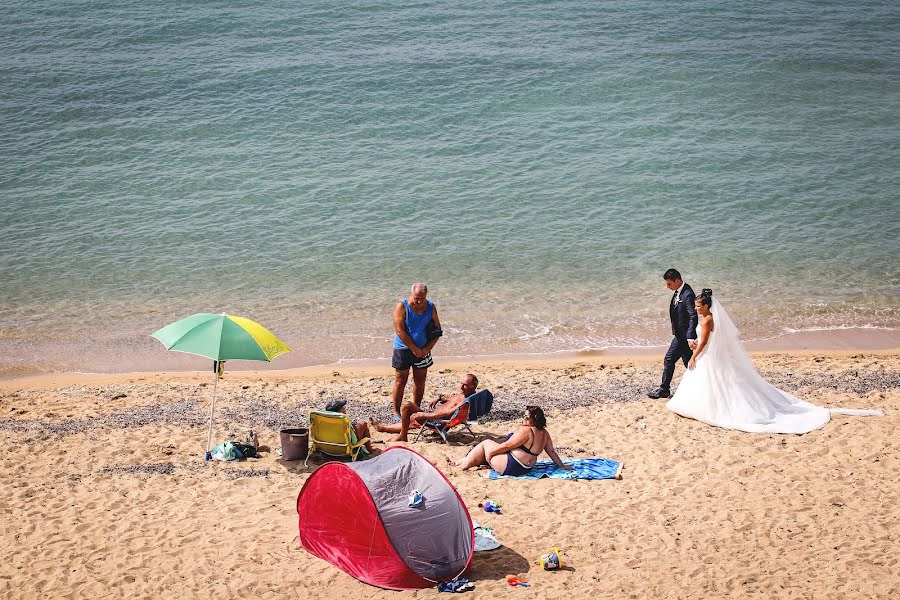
431	331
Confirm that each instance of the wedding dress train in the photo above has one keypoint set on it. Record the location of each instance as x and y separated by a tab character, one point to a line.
725	390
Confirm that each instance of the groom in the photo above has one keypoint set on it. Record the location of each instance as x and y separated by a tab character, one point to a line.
683	315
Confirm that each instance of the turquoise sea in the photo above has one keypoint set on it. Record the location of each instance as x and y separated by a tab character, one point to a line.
538	163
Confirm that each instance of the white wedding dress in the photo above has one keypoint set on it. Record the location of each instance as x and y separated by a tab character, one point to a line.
725	390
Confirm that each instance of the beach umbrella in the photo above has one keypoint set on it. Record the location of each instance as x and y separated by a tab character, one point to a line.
220	337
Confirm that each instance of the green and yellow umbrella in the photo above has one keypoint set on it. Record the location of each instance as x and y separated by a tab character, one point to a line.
220	337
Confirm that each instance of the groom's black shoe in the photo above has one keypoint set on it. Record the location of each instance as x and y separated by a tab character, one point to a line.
660	393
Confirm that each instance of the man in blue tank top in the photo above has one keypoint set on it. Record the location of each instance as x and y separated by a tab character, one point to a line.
417	331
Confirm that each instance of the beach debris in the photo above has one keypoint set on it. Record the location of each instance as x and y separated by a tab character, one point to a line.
263	408
239	473
151	469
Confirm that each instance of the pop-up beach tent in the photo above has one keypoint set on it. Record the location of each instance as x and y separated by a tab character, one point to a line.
357	517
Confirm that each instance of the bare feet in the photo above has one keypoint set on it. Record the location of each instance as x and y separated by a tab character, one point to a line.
376	425
453	463
400	438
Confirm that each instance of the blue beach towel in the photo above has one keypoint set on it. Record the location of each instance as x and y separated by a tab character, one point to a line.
584	468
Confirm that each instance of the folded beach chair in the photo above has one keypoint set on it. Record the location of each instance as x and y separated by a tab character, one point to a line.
473	408
332	434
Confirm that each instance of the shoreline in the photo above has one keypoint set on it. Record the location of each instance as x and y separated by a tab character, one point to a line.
855	339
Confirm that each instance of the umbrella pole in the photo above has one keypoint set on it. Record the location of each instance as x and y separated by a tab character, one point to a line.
211	408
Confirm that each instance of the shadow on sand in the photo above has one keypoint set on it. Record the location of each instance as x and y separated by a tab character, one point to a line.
316	460
495	565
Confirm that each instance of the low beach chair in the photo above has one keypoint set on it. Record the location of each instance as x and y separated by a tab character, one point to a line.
473	408
332	434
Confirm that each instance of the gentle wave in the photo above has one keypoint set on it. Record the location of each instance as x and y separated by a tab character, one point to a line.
791	330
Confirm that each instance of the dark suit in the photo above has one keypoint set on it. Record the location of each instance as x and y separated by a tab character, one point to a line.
684	327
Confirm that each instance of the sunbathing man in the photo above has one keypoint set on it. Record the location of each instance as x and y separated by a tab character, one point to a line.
442	408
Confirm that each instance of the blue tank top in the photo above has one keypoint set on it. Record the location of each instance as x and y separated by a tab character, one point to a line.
415	325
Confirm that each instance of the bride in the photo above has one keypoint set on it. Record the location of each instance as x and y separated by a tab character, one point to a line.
722	388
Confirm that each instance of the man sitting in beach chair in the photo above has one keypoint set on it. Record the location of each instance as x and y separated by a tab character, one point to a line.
476	406
412	415
334	434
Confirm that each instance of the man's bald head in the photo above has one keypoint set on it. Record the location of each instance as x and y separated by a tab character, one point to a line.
469	384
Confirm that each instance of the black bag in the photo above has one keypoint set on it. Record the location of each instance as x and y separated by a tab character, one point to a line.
431	331
246	450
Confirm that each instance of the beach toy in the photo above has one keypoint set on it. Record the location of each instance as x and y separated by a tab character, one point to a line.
492	506
552	560
415	499
515	581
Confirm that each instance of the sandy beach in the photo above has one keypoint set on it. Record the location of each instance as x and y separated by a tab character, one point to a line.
107	494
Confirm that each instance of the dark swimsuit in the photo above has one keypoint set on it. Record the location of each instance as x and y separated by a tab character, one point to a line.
515	468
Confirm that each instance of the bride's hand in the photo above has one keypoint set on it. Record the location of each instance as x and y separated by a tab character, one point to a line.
693	363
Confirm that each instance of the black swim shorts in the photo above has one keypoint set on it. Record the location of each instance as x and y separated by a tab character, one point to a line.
403	359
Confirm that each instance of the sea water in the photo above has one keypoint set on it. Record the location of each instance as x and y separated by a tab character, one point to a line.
539	164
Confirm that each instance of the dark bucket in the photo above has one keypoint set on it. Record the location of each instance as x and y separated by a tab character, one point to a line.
294	443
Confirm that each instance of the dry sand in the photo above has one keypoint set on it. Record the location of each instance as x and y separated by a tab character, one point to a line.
107	494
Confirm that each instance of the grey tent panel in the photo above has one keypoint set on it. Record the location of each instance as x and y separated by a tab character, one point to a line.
434	539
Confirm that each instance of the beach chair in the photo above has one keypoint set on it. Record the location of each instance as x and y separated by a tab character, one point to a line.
332	434
473	408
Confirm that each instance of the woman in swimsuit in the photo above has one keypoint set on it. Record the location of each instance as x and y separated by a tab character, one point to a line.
520	451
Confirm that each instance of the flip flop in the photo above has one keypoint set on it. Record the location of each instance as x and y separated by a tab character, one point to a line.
456	586
415	499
